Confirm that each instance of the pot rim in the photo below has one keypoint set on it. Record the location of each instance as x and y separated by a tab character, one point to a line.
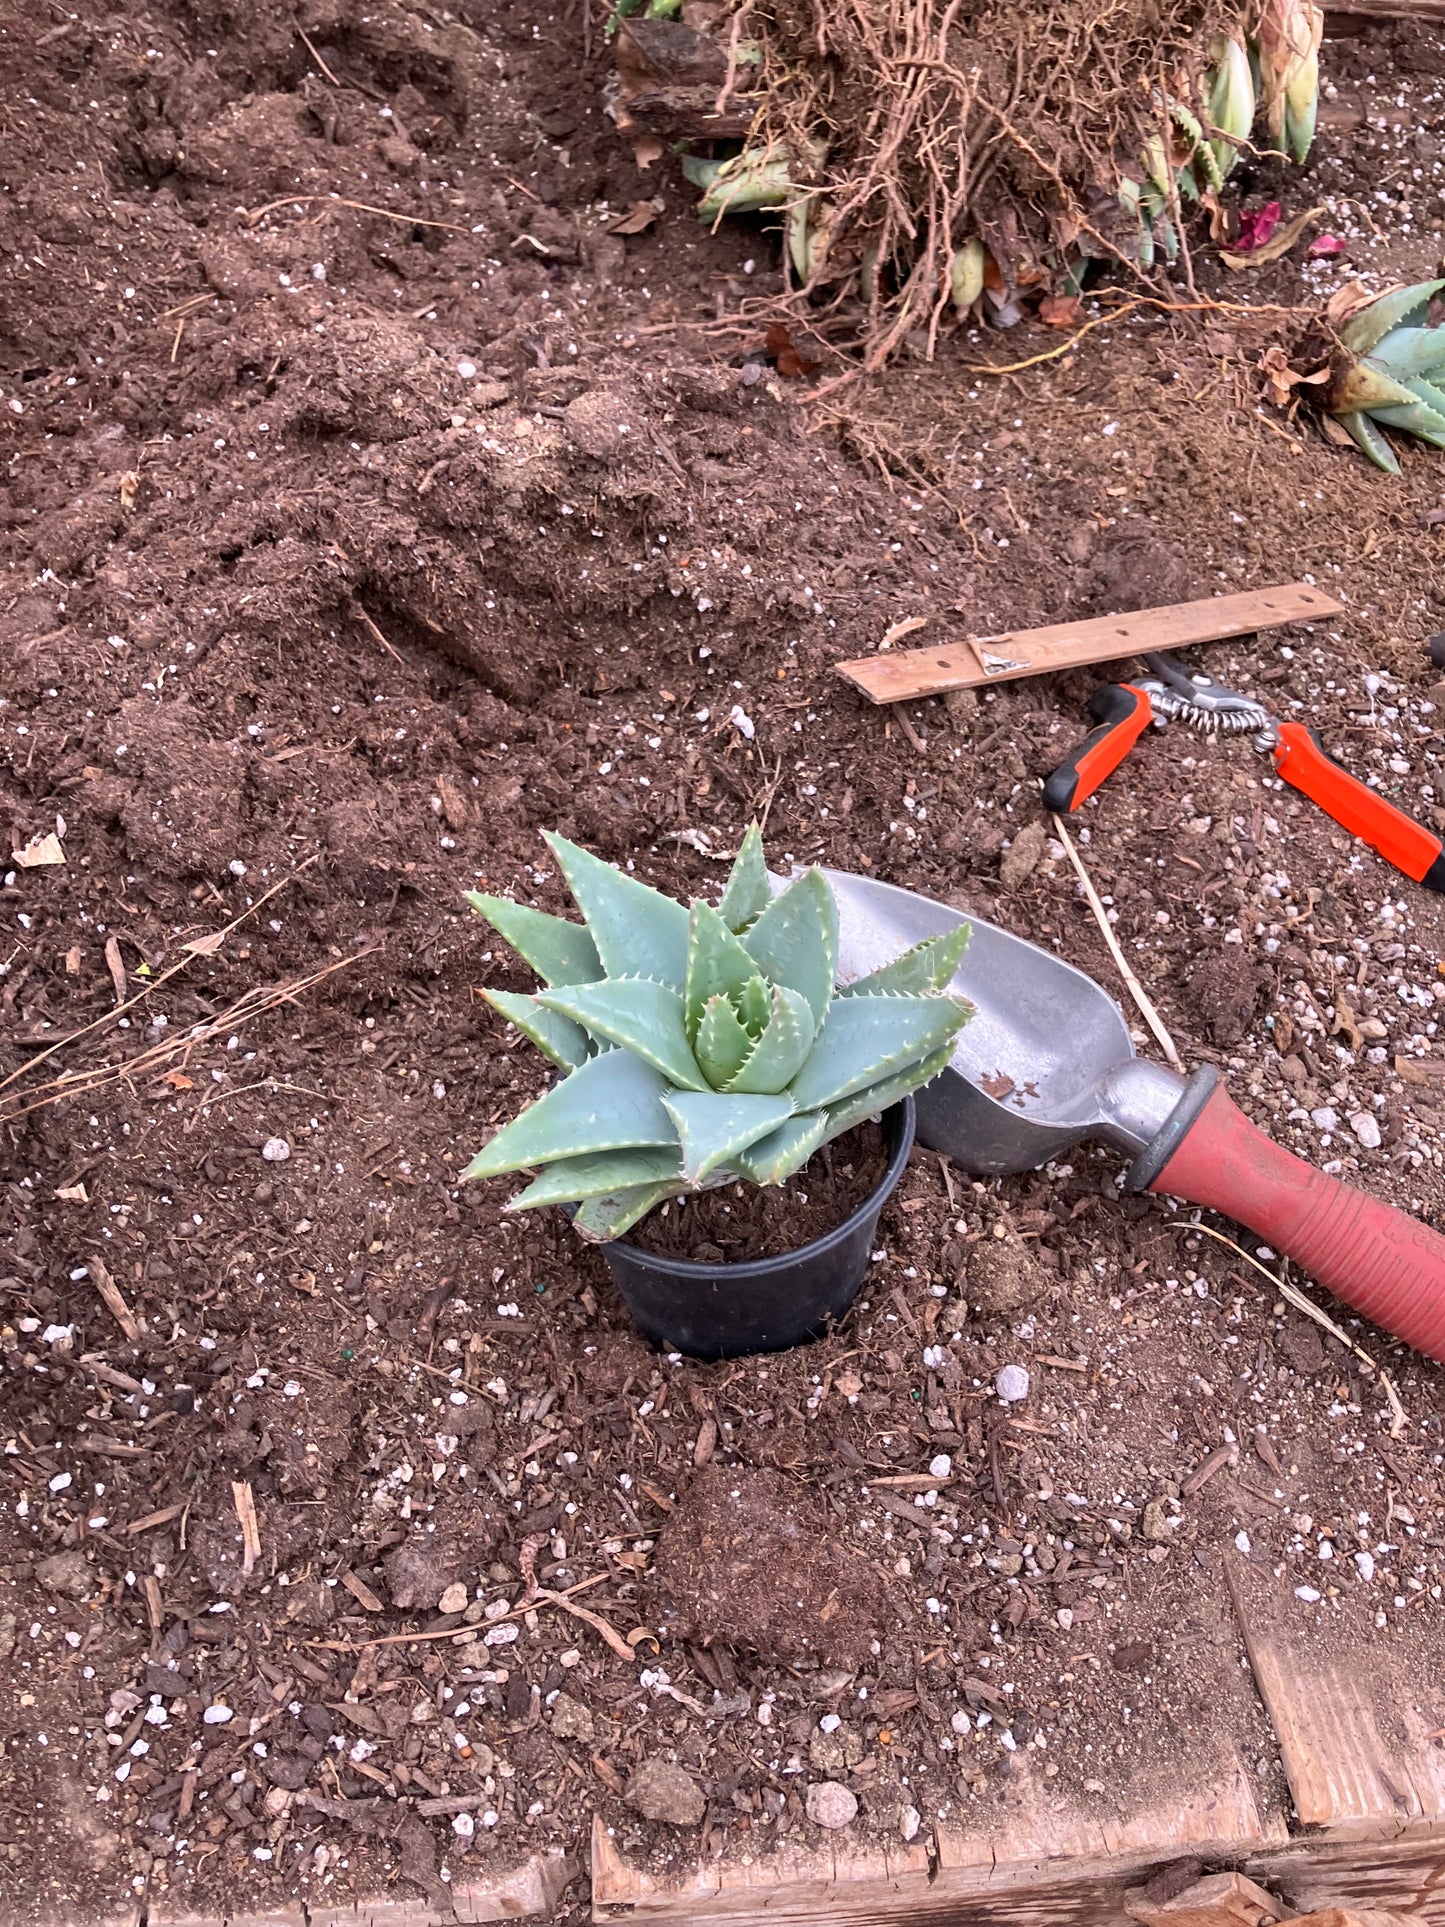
816	1247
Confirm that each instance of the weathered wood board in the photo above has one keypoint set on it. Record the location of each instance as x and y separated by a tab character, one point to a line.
901	674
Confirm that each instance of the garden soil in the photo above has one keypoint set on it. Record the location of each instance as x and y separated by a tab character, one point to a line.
395	469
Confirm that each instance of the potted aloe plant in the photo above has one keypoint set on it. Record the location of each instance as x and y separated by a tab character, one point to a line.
702	1047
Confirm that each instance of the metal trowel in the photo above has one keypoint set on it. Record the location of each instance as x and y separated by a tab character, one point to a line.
1048	1061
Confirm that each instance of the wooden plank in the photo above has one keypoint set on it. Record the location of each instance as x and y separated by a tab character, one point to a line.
1405	1875
1029	1863
1355	1734
901	675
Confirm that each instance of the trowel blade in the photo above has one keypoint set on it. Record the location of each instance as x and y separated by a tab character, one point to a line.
1047	1059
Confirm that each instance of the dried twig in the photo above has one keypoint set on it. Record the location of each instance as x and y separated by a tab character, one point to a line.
252	215
311	48
1135	988
1398	1420
245	1503
461	1632
205	946
109	1292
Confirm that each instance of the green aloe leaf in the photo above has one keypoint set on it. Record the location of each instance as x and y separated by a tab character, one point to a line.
782	1050
1417	419
560	952
717	964
1427	392
929	965
600	1220
610	1103
1368	328
777	1156
714	1128
754	1005
643	1017
1365	386
1369	439
878	1097
1406	352
571	1179
866	1039
747	893
722	1044
795	940
564	1042
638	931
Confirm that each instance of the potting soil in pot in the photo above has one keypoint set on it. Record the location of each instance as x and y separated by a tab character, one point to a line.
736	1223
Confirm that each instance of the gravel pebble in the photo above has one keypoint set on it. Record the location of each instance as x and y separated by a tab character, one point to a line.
831	1805
1012	1384
1366	1129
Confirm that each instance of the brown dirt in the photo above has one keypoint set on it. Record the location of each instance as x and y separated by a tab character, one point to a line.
739	1222
295	605
734	1567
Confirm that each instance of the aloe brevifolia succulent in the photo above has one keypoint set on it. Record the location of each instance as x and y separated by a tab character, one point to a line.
1389	373
701	1045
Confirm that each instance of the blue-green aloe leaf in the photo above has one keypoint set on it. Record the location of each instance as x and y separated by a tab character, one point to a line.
638	931
775	1158
869	1038
556	1037
1415	419
929	965
1406	352
610	1103
1368	328
795	940
600	1220
782	1050
643	1017
747	893
1369	439
754	1005
717	964
714	1128
570	1180
560	952
1427	392
878	1097
722	1044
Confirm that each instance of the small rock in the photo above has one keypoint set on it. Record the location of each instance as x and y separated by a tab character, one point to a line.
571	1720
67	1573
1065	1617
218	1715
1324	1119
1308	1594
1004	1276
831	1805
275	1150
1366	1129
1012	1384
660	1790
290	1771
909	1821
940	1466
1156	1524
1023	856
454	1599
1365	1564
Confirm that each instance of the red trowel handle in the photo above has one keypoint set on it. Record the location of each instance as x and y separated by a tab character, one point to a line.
1377	1259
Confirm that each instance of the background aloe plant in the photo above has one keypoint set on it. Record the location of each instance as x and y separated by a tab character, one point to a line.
1389	373
700	1045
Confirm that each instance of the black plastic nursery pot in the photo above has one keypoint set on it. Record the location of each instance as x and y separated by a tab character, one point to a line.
767	1304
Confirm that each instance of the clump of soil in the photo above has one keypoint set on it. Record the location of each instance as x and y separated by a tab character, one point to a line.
738	1562
1224	988
1004	1277
739	1222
